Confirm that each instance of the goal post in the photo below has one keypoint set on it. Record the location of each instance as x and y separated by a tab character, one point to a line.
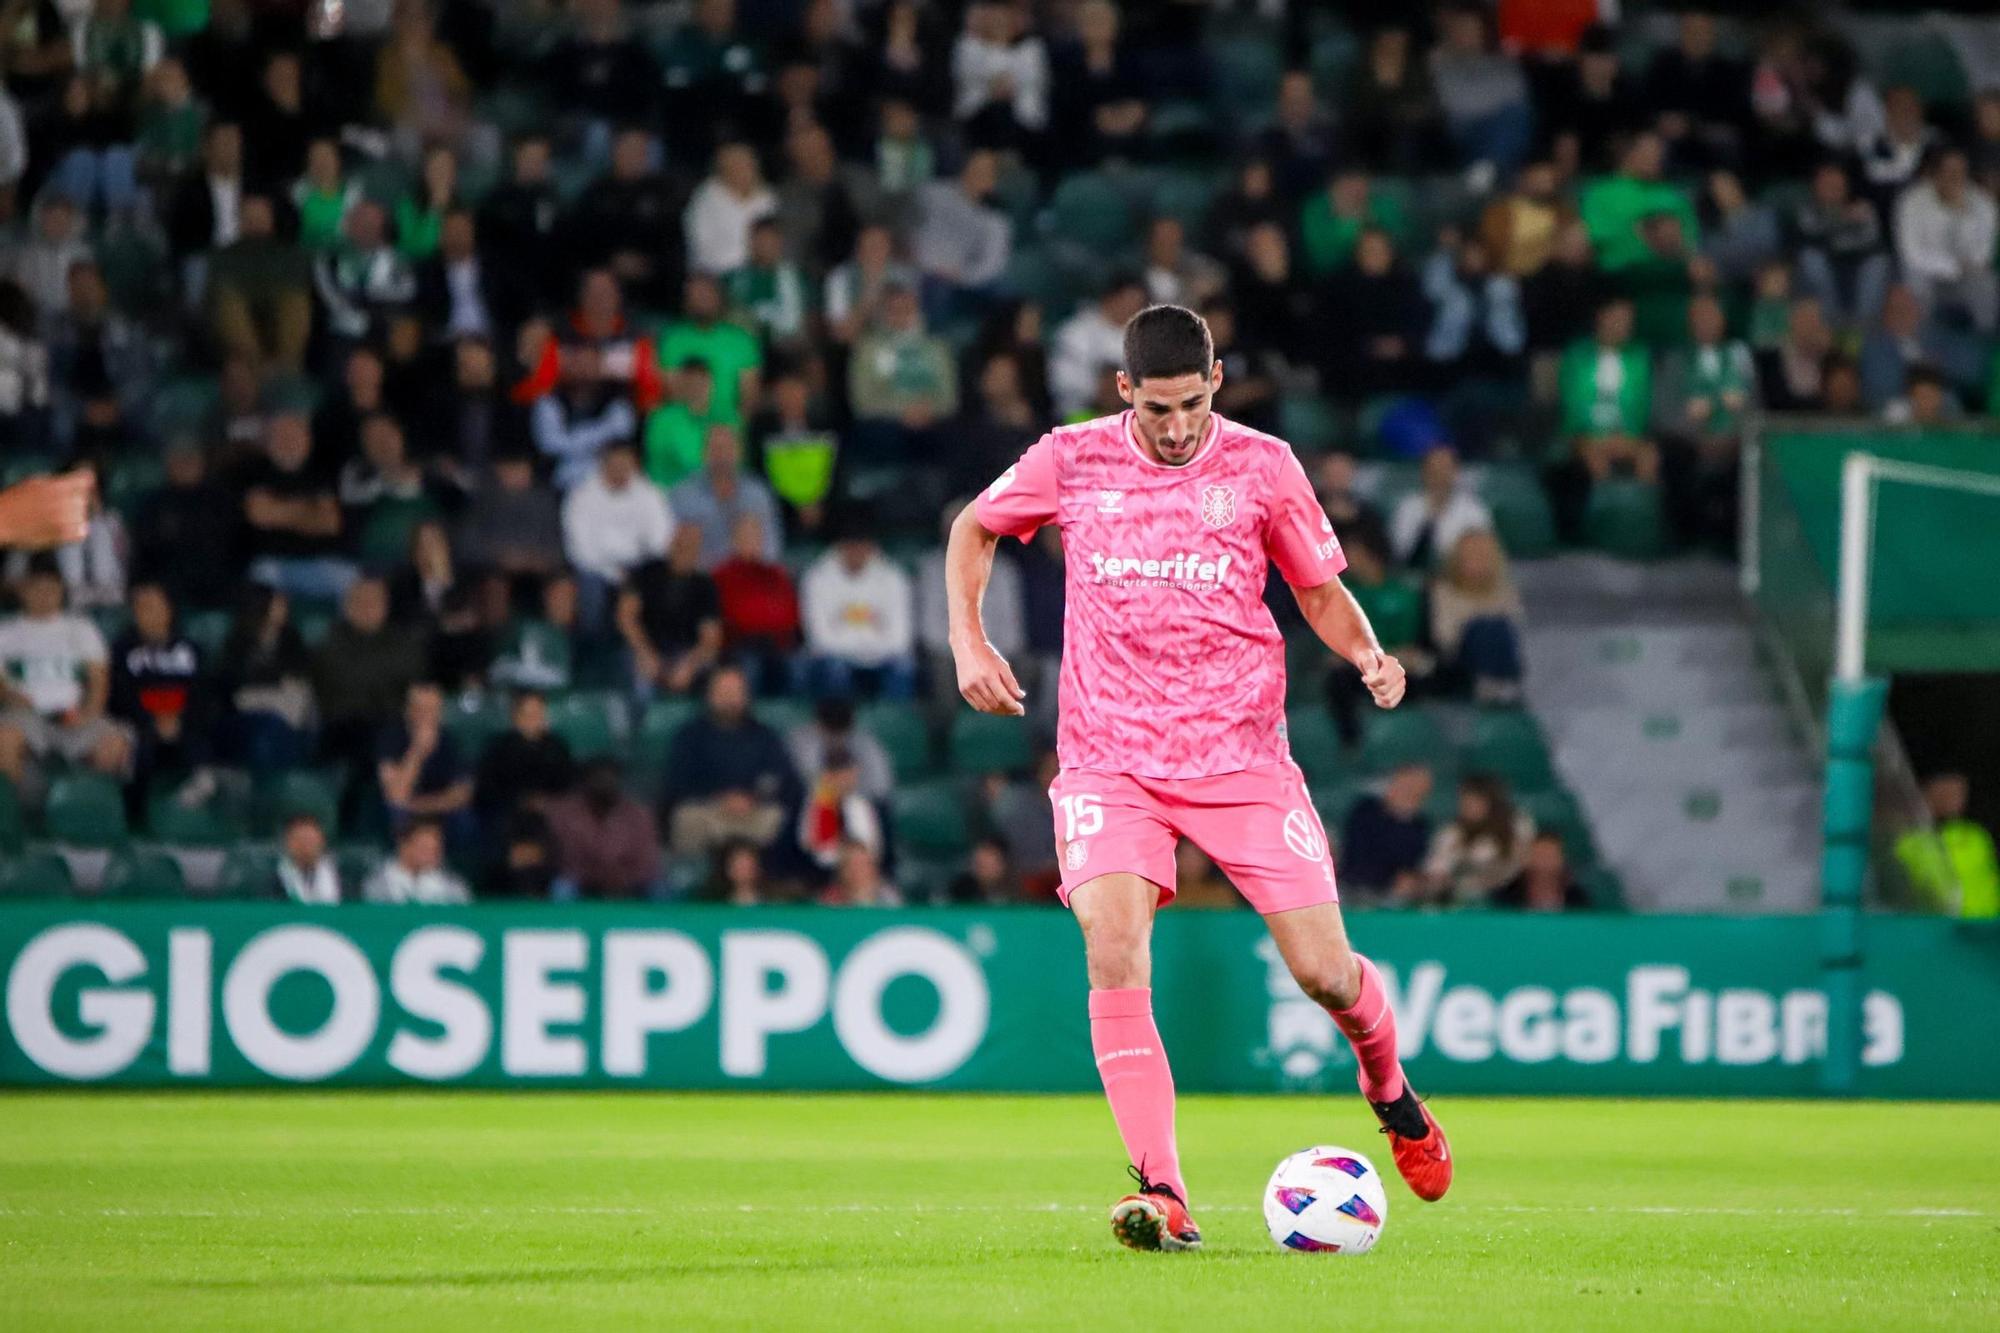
1862	549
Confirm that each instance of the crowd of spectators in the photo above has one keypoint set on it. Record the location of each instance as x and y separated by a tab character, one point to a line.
431	352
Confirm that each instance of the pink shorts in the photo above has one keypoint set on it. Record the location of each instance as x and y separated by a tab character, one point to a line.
1258	825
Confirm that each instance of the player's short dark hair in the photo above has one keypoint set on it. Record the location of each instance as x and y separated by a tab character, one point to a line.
1163	341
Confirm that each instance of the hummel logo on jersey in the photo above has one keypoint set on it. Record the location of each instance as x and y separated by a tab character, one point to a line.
1189	569
1111	502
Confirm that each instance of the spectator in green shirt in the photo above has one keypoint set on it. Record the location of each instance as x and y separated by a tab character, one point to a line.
676	429
1607	397
769	292
322	196
1333	220
1614	207
902	376
1953	860
728	350
1704	390
420	214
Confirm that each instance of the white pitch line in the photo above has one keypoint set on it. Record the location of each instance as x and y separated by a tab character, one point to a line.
920	1209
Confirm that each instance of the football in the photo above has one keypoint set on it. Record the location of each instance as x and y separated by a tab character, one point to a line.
1326	1201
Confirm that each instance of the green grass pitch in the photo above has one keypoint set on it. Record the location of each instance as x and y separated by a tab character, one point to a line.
542	1210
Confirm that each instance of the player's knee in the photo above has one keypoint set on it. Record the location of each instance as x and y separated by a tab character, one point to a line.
1331	983
1117	956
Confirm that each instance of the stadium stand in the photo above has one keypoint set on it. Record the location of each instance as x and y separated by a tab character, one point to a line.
347	307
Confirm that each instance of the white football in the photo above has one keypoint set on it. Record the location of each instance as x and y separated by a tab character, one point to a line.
1326	1201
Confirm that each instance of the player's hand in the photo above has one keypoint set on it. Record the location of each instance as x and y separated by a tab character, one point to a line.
46	511
986	681
1384	677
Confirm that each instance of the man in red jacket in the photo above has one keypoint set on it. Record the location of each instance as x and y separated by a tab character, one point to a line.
760	605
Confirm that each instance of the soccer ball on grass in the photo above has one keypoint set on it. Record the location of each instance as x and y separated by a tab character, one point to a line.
1327	1201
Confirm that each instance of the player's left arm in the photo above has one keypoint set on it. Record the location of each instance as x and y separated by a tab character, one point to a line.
1301	542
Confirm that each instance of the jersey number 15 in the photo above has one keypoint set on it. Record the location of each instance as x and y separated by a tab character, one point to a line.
1083	815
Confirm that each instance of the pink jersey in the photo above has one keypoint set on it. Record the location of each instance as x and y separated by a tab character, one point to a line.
1172	666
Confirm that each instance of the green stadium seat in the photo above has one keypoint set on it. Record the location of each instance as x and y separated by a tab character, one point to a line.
1185	195
39	874
1245	68
1018	193
128	480
19	467
983	743
250	872
1090	211
1033	274
1929	65
1557	812
929	819
357	863
474	720
1334	799
385	533
1315	744
783	716
1625	518
900	730
182	405
653	739
86	810
1521	514
300	792
144	874
1606	891
1307	421
208	629
212	823
1508	742
592	724
1393	737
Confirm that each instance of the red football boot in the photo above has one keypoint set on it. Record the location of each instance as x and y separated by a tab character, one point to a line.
1155	1218
1424	1161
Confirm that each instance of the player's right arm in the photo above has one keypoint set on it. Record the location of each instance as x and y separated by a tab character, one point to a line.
46	511
1019	501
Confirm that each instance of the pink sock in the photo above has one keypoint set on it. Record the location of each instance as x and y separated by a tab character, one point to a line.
1133	1064
1371	1030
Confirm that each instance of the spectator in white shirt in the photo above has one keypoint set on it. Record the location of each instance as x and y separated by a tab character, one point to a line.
962	241
417	873
55	679
612	523
1945	228
719	215
1000	76
859	632
305	872
1428	522
1090	343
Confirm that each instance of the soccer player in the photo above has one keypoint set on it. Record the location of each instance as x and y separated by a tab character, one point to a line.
1172	723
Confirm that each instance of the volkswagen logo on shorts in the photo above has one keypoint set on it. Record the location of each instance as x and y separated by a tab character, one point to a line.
1302	835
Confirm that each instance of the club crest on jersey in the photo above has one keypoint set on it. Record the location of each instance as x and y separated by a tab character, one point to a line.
1218	506
1111	502
1076	854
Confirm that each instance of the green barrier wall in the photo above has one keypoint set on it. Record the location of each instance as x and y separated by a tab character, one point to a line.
244	995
